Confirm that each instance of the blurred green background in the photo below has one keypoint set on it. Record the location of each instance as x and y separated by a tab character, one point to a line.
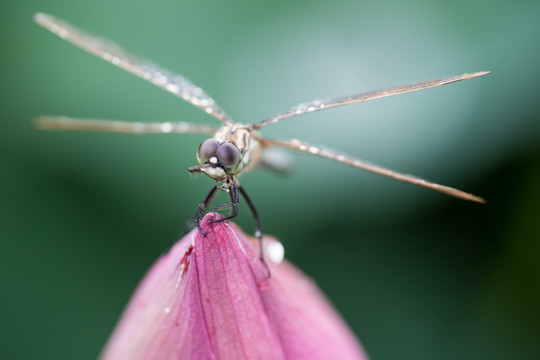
416	274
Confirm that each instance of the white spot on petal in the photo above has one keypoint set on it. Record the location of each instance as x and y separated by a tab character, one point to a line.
275	251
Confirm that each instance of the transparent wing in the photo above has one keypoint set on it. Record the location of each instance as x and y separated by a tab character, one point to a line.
109	51
324	104
68	123
329	154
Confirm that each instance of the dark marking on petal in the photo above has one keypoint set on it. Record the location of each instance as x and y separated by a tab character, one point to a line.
184	263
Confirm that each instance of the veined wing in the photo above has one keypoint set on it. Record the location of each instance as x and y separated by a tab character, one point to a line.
332	155
324	104
69	123
111	52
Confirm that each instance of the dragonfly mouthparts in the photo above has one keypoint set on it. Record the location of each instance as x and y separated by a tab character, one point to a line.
195	169
214	171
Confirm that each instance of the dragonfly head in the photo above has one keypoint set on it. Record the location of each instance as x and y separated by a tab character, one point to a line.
218	160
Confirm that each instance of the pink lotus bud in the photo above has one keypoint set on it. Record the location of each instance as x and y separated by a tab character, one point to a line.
209	297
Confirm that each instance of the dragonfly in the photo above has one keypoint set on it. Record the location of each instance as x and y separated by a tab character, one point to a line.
233	148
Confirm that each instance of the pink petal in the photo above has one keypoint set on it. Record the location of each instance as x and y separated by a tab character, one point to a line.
209	298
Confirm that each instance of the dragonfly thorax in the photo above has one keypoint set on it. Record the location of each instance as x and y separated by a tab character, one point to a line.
241	136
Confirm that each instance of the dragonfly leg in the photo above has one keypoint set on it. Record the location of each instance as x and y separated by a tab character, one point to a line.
202	207
233	191
258	231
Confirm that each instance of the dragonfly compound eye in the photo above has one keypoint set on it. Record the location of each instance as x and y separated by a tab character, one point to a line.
207	149
230	158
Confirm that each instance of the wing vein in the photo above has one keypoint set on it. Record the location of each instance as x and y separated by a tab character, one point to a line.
357	163
175	84
324	104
